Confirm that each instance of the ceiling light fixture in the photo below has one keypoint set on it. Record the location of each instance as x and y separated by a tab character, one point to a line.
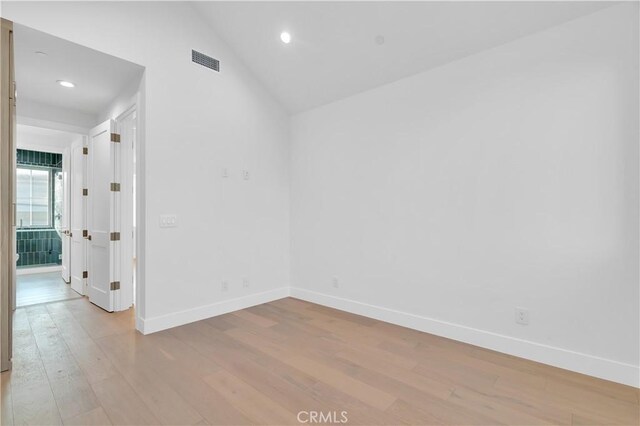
285	37
64	83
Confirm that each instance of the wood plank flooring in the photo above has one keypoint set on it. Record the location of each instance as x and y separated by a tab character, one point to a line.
76	364
47	287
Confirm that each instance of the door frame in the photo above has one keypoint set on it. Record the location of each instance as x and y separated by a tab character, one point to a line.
140	200
7	193
78	133
137	103
125	298
65	236
75	191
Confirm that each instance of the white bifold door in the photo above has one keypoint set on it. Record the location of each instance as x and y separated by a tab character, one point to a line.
102	221
77	252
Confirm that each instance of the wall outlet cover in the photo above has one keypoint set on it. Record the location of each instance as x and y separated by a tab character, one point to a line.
522	316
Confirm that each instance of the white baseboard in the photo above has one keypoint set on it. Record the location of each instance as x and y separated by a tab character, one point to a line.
163	322
139	323
575	361
38	270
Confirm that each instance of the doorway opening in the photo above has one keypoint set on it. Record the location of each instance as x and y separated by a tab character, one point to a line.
42	215
77	151
90	101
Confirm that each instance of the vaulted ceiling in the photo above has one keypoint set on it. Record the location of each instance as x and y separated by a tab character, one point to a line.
339	49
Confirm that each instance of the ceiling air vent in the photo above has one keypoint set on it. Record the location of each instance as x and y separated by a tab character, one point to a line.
205	61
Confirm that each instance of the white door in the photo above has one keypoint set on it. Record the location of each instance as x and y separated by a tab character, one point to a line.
63	230
101	217
77	216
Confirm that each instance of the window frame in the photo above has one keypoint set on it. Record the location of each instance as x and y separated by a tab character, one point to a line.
50	199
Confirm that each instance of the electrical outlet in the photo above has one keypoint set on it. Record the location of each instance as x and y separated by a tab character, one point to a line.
522	316
336	284
245	282
245	174
224	286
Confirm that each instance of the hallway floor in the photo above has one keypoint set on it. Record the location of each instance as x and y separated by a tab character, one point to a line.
33	289
77	364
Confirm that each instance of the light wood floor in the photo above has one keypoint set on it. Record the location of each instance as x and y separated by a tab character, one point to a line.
76	364
47	287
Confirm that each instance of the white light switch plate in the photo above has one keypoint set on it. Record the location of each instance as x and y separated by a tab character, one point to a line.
168	221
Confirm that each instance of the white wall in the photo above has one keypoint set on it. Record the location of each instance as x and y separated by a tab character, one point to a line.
33	110
197	122
505	179
127	97
44	139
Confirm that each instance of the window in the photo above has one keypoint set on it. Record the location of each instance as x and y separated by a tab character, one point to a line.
33	198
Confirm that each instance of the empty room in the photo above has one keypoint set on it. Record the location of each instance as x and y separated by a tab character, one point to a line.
292	213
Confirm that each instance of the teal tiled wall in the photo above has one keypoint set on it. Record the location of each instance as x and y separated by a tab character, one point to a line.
37	158
38	247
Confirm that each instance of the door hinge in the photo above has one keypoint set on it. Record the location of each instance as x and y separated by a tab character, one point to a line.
115	187
85	150
85	233
85	191
85	274
115	137
115	236
115	285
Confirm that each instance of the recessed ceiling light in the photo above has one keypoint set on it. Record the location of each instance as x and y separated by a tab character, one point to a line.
66	83
285	37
